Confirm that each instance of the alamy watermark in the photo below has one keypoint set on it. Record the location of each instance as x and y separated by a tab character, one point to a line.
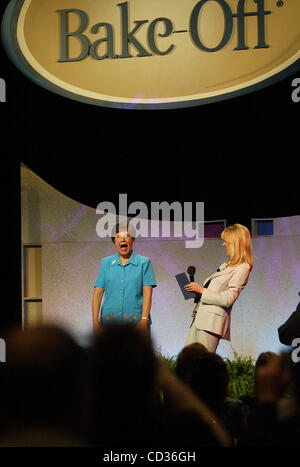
2	351
156	225
296	92
2	90
296	352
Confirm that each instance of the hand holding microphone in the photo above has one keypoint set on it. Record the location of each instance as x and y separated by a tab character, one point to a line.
193	286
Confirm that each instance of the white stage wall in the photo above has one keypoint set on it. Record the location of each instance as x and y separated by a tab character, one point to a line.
71	254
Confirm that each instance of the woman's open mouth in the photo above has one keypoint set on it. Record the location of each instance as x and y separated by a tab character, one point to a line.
123	246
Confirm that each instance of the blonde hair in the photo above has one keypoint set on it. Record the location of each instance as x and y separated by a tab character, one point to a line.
239	238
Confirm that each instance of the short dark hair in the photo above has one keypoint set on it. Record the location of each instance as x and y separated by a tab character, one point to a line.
186	358
264	358
121	226
208	377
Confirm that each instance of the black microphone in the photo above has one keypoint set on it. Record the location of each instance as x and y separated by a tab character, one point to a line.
191	271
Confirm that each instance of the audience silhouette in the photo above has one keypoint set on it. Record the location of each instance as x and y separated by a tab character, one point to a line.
118	393
42	386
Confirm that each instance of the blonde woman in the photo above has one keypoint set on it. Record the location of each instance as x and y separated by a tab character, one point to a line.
211	320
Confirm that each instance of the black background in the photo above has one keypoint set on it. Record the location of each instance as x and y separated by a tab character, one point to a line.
239	156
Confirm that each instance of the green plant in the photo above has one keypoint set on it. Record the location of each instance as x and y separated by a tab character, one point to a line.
170	361
241	372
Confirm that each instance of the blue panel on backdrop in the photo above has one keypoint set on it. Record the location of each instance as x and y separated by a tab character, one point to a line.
265	227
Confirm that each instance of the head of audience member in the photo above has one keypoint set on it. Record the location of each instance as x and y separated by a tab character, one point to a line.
43	379
122	373
262	360
185	359
207	376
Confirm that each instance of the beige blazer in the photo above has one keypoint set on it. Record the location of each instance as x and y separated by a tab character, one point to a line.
216	302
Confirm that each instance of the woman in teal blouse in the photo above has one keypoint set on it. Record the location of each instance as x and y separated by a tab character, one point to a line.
126	279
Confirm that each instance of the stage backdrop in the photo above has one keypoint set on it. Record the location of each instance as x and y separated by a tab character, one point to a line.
61	258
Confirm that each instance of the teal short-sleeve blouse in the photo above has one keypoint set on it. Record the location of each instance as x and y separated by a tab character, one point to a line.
123	287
